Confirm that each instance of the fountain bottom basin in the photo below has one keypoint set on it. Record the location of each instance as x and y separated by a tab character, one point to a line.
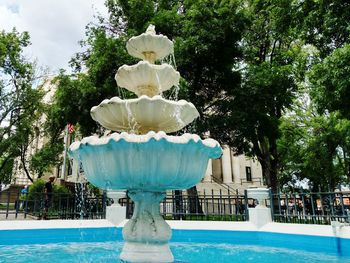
230	242
108	252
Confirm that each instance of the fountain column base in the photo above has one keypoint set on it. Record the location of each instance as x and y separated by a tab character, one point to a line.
139	252
146	234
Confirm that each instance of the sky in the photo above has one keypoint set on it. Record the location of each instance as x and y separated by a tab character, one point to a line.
55	26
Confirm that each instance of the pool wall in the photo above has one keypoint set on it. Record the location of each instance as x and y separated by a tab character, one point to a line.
313	238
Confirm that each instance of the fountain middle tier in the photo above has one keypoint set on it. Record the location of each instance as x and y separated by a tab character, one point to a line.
148	79
144	114
142	162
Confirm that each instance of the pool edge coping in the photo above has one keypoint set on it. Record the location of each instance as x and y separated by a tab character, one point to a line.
283	228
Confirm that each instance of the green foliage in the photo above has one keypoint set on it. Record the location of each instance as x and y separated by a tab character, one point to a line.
80	92
47	157
6	170
93	190
243	64
331	83
210	37
20	103
325	24
315	147
36	190
274	62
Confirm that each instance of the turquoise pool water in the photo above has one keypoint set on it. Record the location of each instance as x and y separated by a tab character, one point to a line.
104	245
183	252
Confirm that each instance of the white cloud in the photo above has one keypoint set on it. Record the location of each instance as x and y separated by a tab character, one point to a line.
55	27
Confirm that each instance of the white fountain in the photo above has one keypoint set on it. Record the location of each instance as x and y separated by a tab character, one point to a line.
146	161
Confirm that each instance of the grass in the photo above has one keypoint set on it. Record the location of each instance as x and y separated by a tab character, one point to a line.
298	220
209	217
4	206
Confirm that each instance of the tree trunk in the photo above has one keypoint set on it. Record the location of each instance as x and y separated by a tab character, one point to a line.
23	161
273	165
267	150
179	208
193	201
269	171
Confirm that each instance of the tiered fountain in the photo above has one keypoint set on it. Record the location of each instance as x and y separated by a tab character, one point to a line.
145	161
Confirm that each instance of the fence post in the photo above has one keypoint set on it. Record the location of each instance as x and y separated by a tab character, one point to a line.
246	205
229	203
104	204
272	204
8	203
26	206
17	203
259	215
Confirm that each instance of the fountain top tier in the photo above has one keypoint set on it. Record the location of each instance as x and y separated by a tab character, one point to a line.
150	111
150	46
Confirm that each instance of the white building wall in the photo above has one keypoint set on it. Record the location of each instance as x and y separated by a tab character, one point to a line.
230	171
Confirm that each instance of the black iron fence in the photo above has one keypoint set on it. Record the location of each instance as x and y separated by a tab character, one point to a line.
303	208
307	208
17	205
311	208
218	205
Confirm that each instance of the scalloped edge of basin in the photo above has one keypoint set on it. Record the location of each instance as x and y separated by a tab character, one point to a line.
151	162
160	77
144	114
159	44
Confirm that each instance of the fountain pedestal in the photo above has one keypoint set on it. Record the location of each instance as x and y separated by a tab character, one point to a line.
260	215
115	213
146	234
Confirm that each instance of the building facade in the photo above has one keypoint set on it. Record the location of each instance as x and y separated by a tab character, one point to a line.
232	172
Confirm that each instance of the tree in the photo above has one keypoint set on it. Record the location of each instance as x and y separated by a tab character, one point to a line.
19	101
242	65
314	147
47	157
274	62
324	24
330	82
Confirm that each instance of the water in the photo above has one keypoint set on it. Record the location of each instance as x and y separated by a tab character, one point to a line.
79	197
183	252
131	119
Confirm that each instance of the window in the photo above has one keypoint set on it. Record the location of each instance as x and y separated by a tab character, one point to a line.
81	169
248	173
70	168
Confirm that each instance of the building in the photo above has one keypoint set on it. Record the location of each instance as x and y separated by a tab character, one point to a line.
232	172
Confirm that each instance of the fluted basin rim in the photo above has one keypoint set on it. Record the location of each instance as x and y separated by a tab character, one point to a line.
135	138
162	76
159	44
143	97
152	162
144	114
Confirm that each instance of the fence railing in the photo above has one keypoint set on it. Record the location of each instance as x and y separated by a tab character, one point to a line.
311	208
307	208
15	205
219	205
